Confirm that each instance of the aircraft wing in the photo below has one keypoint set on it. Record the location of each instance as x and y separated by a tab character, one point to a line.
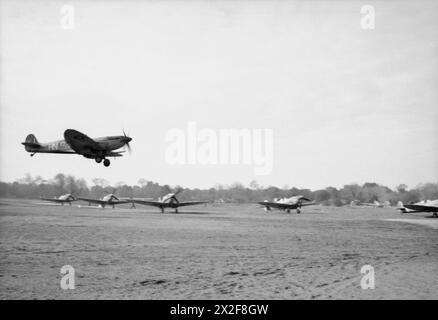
82	143
118	202
55	200
190	203
421	207
93	200
150	203
277	205
115	154
308	204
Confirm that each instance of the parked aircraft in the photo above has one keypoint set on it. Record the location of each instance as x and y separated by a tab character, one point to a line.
422	206
375	204
66	198
287	204
168	201
78	143
109	199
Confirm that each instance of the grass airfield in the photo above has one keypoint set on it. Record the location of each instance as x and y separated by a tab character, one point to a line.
215	252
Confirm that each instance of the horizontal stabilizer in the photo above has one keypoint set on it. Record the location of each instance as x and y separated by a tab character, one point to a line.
31	144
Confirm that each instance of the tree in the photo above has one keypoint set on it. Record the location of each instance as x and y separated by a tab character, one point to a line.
254	185
60	182
322	196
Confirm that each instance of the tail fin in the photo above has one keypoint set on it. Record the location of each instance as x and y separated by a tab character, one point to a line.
401	207
31	142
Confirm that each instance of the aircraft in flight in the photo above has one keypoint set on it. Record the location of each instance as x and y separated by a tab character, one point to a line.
109	199
422	206
287	204
78	143
65	198
168	201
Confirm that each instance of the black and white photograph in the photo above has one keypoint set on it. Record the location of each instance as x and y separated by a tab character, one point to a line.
218	150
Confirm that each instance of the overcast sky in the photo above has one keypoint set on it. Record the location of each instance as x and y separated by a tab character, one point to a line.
346	104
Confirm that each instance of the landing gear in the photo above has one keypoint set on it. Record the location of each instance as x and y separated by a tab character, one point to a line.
176	210
288	210
162	209
298	211
106	162
435	214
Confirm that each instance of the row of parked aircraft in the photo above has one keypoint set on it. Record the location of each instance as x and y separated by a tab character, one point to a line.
100	149
283	204
168	201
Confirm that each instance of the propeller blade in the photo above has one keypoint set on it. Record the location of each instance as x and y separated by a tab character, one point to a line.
127	139
128	147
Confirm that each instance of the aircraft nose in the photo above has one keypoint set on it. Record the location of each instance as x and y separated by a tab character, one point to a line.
127	139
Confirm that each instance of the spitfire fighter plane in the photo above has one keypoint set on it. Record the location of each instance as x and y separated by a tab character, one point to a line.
109	199
168	201
422	206
78	143
287	204
66	198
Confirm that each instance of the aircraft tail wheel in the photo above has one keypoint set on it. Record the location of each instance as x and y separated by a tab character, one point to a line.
106	163
98	160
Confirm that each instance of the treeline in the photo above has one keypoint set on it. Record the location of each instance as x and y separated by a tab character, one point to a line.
35	187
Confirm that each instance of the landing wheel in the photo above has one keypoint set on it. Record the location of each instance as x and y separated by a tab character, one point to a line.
98	160
106	163
288	211
298	211
176	210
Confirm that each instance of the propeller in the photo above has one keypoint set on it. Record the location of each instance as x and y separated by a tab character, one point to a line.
126	140
177	191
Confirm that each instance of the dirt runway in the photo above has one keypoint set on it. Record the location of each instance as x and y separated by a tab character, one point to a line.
214	252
